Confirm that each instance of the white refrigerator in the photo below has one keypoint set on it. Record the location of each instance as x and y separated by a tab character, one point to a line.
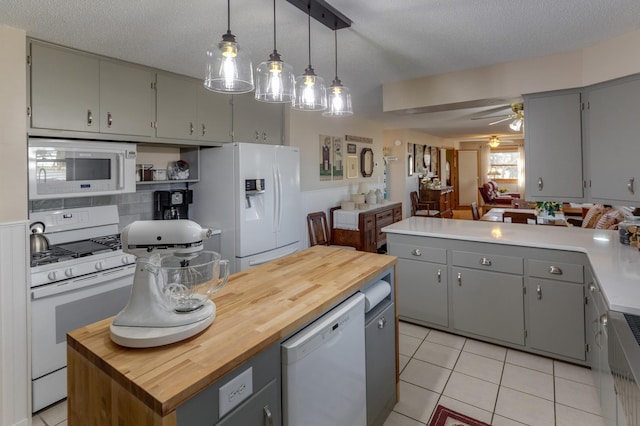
251	192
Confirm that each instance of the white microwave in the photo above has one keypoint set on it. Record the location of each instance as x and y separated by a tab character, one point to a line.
78	168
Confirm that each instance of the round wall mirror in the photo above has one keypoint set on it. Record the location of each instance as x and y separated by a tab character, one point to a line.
366	162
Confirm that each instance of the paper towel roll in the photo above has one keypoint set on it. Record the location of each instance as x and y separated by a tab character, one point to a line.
375	294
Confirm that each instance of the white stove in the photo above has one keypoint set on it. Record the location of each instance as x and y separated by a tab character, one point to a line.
84	277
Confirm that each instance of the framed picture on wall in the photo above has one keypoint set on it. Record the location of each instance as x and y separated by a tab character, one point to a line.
338	168
325	145
352	166
351	148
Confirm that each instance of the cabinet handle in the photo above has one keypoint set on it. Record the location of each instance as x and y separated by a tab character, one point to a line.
460	279
540	184
264	136
382	322
485	262
555	270
204	130
604	320
109	119
630	185
539	293
257	136
268	417
592	287
439	275
89	117
191	129
416	252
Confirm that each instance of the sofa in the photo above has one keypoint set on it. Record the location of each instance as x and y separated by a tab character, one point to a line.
493	198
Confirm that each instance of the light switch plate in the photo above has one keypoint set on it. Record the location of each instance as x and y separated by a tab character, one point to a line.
235	391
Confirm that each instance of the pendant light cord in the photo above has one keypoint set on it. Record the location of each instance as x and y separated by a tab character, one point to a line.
228	16
309	24
335	33
274	25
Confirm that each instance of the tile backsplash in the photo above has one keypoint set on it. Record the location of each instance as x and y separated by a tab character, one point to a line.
131	207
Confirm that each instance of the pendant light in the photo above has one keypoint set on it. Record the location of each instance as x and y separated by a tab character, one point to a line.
228	68
275	81
338	96
310	89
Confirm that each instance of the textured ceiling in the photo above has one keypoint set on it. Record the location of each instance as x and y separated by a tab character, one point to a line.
389	40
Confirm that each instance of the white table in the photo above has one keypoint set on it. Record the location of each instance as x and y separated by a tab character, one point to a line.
495	215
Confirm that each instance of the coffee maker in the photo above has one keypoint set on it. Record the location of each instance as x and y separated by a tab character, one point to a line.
172	204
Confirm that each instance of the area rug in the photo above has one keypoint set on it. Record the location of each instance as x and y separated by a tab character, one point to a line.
446	417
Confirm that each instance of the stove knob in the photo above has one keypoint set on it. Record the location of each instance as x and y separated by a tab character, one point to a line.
69	272
99	266
53	275
126	260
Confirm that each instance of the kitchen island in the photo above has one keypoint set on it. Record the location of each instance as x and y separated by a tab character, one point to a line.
258	308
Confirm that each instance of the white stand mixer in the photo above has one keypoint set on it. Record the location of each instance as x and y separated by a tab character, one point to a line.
169	299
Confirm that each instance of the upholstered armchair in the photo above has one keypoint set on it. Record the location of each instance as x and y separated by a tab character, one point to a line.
491	196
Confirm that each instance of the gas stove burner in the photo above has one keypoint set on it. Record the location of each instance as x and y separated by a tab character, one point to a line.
77	249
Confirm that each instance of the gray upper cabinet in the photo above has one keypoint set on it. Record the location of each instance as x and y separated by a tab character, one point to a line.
613	139
176	110
214	116
553	146
255	121
127	99
65	89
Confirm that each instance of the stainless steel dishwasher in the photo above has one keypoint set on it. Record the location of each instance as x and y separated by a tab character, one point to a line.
323	369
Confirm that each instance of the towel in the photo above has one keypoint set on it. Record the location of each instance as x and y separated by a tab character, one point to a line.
375	294
346	219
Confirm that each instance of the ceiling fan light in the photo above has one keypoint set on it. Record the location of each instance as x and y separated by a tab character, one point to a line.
516	125
228	68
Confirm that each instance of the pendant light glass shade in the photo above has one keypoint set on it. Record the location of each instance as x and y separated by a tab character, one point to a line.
275	81
228	68
338	96
309	92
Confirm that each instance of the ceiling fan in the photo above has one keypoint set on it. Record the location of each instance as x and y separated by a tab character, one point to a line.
517	117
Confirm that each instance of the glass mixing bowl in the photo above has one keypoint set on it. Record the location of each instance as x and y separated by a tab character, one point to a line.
188	281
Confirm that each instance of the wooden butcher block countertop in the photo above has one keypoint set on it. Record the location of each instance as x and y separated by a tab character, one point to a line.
256	309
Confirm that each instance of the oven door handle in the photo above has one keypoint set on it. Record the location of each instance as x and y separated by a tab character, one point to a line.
81	282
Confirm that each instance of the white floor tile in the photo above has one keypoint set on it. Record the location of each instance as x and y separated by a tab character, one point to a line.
416	402
408	345
55	414
567	416
531	361
446	339
413	330
485	349
528	381
428	376
466	409
573	372
403	360
37	421
524	408
577	395
470	390
503	421
438	354
397	419
480	367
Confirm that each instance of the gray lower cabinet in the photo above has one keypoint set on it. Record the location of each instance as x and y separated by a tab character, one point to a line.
260	407
488	304
556	317
422	295
380	363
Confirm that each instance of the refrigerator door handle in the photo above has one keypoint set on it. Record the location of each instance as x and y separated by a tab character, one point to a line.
280	195
276	195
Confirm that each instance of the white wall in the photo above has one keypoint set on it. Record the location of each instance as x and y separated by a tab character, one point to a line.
14	278
303	129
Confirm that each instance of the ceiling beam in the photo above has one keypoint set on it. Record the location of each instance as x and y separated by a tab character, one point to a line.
323	12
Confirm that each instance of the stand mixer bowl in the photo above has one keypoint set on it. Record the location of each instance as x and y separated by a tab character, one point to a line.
188	281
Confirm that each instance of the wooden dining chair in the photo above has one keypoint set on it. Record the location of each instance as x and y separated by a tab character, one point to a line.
422	208
474	211
319	232
517	217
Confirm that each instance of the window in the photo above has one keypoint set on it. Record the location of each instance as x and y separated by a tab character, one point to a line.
504	164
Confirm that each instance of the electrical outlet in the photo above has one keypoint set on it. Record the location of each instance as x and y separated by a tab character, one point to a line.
235	391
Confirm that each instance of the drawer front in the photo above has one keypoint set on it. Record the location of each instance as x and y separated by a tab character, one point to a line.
418	252
556	270
488	262
369	222
397	214
384	218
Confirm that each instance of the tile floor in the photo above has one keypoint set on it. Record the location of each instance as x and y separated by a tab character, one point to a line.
500	386
496	385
